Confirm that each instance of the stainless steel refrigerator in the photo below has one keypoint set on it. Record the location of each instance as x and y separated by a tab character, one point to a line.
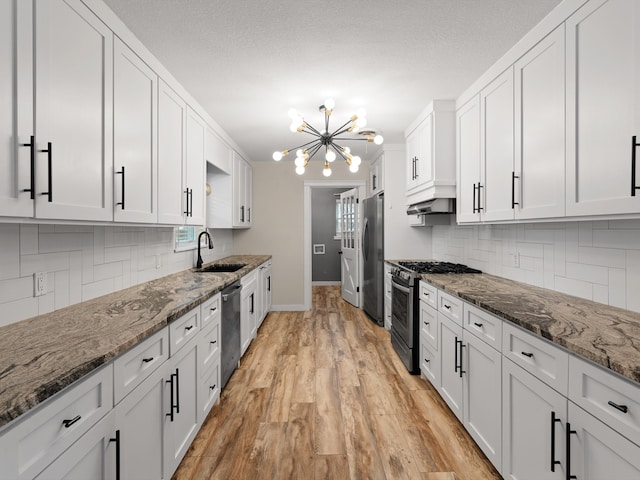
373	258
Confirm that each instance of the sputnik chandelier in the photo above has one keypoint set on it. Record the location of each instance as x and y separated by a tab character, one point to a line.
328	141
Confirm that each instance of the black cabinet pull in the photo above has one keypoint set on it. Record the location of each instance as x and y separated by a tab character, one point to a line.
121	172
49	152
213	309
426	360
32	162
188	328
242	213
249	215
212	387
213	342
479	325
177	391
426	323
455	355
622	408
186	212
416	175
448	307
171	406
68	423
147	360
554	420
191	202
117	440
527	354
269	282
568	438
479	207
252	304
634	146
374	182
513	190
461	347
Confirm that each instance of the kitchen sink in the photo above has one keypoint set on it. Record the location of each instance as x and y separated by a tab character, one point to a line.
222	267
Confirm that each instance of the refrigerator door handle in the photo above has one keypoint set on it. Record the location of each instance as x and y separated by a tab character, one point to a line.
365	239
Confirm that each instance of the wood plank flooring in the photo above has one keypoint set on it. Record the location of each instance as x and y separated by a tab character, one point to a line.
323	395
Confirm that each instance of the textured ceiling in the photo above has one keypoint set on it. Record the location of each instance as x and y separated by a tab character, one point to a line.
248	61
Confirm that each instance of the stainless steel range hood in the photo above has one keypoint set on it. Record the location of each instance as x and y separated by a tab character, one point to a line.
437	205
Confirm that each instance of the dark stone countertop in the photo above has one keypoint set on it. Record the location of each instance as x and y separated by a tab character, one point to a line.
606	335
42	355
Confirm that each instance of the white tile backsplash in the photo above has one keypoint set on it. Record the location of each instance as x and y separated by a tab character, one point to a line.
597	260
83	262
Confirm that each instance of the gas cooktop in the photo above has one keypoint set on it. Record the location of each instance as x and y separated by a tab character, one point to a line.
437	267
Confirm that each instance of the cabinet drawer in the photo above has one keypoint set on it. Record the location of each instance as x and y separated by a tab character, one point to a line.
485	326
210	311
208	347
208	391
131	368
428	325
430	364
544	360
450	307
598	392
429	294
33	443
183	329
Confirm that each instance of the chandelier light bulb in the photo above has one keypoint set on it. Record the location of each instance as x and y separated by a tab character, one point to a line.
326	171
299	170
330	156
361	122
277	156
346	150
356	160
329	103
293	113
293	127
378	139
353	168
299	162
361	113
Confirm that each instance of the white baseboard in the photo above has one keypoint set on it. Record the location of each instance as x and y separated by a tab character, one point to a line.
326	283
287	308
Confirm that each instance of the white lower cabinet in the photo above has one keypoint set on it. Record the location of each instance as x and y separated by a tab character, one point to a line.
93	456
449	340
533	427
248	314
264	292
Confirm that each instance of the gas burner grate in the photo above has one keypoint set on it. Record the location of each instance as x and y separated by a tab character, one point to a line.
438	267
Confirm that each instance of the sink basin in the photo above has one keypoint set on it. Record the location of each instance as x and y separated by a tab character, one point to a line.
223	267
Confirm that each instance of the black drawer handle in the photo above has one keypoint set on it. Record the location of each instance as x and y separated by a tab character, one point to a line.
479	325
634	146
32	160
121	172
527	354
622	408
49	152
554	420
68	423
213	309
188	328
213	342
212	387
117	440
426	360
147	360
448	307
426	323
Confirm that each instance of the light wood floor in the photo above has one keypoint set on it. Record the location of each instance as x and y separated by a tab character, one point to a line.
323	395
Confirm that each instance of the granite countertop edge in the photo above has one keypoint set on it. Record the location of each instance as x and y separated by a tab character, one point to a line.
149	307
604	334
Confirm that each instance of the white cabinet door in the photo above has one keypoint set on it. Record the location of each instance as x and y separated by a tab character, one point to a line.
420	155
73	112
242	195
217	152
182	422
597	451
497	150
376	175
530	436
468	153
450	377
172	116
135	108
482	396
603	108
195	165
16	108
92	456
248	325
540	127
248	192
140	417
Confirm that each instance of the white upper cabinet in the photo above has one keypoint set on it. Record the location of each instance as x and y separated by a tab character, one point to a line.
172	119
73	113
217	153
539	120
16	109
603	108
135	104
431	167
468	153
242	195
497	149
195	168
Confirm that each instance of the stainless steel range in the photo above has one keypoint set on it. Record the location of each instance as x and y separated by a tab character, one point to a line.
405	308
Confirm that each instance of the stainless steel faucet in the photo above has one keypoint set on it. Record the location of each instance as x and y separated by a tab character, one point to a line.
199	262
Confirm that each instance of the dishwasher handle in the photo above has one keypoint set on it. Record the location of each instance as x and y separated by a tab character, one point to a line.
230	292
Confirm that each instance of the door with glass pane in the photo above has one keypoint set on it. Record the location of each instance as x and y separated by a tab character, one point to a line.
350	246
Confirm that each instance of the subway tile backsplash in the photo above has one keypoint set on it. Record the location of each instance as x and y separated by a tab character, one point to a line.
597	260
83	262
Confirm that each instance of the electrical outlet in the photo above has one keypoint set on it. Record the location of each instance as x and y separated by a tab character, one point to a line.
158	261
514	259
39	284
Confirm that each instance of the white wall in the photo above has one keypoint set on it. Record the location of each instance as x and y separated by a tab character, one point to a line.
83	262
599	260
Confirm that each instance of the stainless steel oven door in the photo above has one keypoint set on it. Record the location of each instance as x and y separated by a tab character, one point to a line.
402	312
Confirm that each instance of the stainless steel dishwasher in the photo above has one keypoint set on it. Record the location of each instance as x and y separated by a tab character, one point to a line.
230	330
